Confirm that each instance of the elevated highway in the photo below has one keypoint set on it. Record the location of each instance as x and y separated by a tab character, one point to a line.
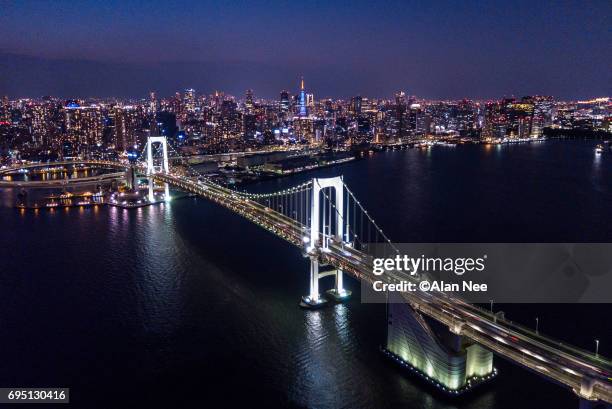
61	182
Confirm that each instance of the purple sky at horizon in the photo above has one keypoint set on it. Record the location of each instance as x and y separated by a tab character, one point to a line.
444	49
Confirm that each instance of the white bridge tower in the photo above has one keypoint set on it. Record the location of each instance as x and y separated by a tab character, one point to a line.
151	169
320	239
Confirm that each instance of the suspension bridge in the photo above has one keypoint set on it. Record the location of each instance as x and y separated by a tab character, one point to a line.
325	219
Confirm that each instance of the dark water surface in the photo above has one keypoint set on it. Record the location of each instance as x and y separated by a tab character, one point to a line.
188	305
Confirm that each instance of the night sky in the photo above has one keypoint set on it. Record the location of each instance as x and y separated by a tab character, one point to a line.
444	49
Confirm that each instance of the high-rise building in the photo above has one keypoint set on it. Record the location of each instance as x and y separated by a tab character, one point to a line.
249	126
249	105
495	122
153	104
400	98
542	113
399	126
310	101
39	119
126	126
5	111
84	126
356	104
466	116
302	103
189	100
416	120
284	101
230	123
520	115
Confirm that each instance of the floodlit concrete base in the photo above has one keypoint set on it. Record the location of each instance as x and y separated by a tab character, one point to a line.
447	360
311	304
341	296
469	385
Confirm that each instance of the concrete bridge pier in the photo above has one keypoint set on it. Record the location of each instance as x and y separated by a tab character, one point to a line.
585	394
314	299
339	293
433	352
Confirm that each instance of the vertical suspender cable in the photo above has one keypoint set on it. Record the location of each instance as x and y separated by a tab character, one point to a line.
329	225
323	221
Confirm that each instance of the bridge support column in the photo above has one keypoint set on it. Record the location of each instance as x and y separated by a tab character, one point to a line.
167	192
151	192
314	280
313	299
339	293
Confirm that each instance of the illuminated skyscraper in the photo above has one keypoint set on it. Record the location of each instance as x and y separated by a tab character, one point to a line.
495	120
400	115
153	104
189	100
466	116
356	104
5	112
542	113
284	101
310	100
39	119
249	101
520	115
230	121
83	126
416	119
127	123
302	103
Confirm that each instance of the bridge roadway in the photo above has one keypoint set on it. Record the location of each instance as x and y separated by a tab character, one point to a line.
61	182
588	376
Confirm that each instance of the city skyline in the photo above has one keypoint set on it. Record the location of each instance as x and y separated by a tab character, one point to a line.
293	91
197	123
446	50
299	93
